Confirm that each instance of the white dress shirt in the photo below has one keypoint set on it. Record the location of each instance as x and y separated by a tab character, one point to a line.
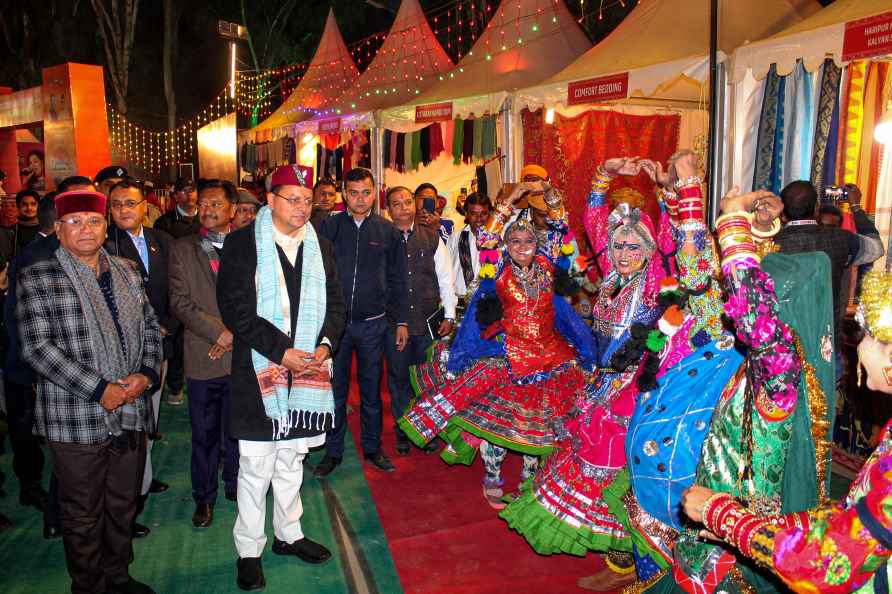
461	289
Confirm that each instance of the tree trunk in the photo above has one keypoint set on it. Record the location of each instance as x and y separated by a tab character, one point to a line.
117	25
171	22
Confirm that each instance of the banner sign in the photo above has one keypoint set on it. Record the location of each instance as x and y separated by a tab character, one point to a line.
868	37
594	90
332	126
437	112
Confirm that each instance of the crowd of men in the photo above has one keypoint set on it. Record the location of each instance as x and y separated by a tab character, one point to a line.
256	316
106	307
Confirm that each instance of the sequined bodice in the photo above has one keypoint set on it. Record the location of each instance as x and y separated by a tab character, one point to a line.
532	343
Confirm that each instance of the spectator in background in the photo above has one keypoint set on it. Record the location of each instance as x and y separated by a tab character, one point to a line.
90	334
463	245
150	250
26	227
830	215
194	263
431	288
246	209
371	264
9	212
19	381
325	195
802	233
180	222
108	177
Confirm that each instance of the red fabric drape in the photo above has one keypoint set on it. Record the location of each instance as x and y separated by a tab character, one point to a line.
572	148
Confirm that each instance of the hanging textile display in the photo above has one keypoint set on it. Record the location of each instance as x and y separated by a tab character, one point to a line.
869	161
468	141
824	147
766	141
799	135
851	122
571	149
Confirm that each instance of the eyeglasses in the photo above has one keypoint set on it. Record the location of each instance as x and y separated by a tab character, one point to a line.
128	204
306	200
215	205
78	222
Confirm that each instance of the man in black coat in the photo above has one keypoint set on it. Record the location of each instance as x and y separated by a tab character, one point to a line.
297	271
372	269
150	250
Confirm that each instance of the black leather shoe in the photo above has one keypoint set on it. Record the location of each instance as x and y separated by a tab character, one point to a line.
304	549
203	516
231	495
51	532
158	487
250	574
33	495
326	466
140	530
131	587
380	461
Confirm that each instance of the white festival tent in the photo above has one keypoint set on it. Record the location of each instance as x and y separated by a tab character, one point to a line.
663	45
525	42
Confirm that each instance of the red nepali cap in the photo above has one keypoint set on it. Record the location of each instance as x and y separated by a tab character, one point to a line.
79	201
292	175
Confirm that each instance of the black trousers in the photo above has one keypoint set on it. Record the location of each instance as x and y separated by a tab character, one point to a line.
98	490
27	455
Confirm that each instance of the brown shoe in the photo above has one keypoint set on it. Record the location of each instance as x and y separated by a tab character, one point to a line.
203	516
606	580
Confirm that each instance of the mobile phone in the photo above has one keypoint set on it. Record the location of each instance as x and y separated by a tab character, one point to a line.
430	205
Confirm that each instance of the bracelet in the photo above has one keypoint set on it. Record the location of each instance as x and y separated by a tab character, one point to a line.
553	199
693	180
775	229
705	512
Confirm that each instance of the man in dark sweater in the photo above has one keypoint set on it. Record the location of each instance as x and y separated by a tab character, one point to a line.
802	233
278	291
371	262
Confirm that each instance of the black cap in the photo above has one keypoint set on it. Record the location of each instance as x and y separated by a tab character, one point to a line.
183	183
110	172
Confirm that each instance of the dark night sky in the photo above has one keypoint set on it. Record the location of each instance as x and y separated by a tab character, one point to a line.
65	30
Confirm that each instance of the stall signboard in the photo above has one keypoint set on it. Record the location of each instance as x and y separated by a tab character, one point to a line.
866	38
332	126
436	112
594	90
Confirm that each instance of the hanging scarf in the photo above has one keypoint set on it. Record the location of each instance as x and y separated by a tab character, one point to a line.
207	239
116	358
767	130
458	141
293	404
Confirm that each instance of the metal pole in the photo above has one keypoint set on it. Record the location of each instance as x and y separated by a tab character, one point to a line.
711	174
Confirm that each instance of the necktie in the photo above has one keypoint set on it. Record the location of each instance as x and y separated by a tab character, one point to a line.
143	250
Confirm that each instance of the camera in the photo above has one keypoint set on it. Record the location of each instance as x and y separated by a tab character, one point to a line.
836	193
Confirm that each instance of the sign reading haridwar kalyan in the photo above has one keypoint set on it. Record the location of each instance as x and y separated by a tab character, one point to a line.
868	37
593	90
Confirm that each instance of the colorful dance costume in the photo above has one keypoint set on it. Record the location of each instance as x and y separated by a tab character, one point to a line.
761	443
843	547
505	383
562	510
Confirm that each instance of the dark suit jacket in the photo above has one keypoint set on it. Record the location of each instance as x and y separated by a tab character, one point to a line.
193	300
16	369
119	243
237	296
176	225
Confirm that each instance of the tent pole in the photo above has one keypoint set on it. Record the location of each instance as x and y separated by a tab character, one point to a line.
711	173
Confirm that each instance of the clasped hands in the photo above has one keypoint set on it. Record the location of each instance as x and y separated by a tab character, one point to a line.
304	364
125	390
682	165
222	346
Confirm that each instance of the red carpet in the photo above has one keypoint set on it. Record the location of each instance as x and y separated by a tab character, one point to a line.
443	536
